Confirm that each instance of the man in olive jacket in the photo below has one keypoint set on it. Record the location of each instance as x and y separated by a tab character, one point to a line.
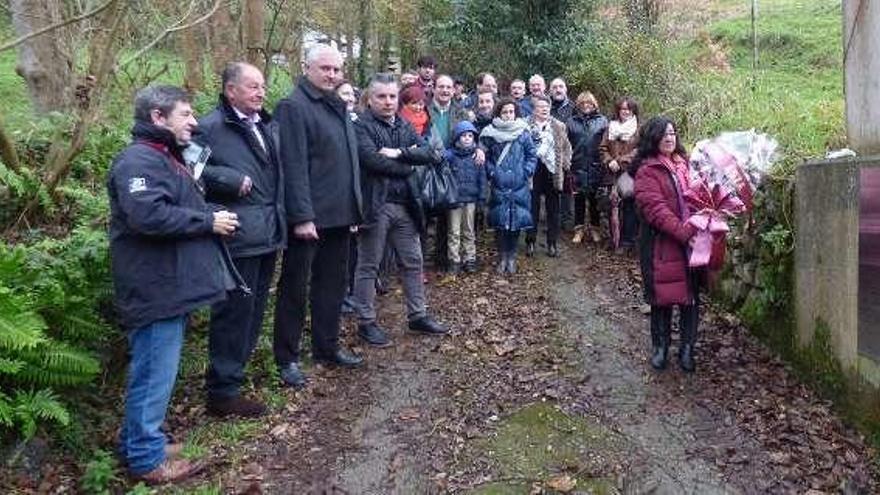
244	174
322	203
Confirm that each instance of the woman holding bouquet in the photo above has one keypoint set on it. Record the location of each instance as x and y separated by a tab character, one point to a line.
661	177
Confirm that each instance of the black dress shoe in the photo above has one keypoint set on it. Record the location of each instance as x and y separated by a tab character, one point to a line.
470	266
552	250
341	358
658	357
530	249
235	406
374	335
428	325
686	358
292	376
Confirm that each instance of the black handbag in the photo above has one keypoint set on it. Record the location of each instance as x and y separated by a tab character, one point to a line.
439	188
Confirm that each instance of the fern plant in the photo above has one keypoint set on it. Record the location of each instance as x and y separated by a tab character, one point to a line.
50	329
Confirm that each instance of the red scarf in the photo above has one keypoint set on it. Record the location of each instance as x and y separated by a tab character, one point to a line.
418	120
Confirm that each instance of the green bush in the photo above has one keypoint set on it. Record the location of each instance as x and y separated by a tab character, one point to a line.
51	331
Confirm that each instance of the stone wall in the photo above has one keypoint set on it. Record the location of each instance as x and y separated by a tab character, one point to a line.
827	259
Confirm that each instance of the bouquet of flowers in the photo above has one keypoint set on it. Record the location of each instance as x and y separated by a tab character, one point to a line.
725	172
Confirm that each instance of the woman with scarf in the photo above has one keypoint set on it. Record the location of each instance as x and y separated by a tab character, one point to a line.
585	130
661	176
617	151
510	163
412	109
554	160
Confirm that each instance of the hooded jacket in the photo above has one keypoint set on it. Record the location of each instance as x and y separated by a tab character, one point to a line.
471	178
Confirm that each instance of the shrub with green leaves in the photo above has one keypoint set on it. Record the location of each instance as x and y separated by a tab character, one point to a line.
50	329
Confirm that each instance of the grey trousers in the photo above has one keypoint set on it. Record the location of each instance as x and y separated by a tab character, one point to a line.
393	225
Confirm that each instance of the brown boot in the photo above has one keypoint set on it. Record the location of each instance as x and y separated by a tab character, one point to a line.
235	406
173	450
171	471
578	234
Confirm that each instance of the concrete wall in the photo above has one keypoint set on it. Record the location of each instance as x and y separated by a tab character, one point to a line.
861	44
827	254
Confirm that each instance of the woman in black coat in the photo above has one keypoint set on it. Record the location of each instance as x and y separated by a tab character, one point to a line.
585	130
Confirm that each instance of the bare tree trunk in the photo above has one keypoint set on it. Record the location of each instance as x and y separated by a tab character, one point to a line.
43	61
224	45
254	32
364	25
104	52
192	48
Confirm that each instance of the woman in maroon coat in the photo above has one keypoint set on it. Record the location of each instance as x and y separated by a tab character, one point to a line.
661	176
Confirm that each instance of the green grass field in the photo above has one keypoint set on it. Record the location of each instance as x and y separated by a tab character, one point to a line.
796	93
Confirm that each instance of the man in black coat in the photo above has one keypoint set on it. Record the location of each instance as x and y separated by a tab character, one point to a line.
166	262
389	147
322	203
244	174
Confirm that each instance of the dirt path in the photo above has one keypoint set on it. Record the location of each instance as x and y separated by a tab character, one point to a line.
543	385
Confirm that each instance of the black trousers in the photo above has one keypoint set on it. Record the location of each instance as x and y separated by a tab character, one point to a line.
584	200
542	185
629	222
315	272
235	327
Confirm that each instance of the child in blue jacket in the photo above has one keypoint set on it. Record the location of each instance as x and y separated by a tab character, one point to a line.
472	189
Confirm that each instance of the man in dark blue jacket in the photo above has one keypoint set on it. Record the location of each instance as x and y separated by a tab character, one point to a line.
322	202
244	174
166	262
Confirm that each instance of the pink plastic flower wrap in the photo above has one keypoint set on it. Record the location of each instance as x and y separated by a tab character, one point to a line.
725	172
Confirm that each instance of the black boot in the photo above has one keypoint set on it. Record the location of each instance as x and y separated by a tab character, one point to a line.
530	248
658	357
661	328
552	249
688	325
686	358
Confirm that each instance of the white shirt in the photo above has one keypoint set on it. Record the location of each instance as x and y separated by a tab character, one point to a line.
252	123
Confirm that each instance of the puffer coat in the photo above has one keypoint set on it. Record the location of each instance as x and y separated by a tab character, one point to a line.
663	243
510	204
585	133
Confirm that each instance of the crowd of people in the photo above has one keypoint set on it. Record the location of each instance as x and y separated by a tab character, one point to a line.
332	183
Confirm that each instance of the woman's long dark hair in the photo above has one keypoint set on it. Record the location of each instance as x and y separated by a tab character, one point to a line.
650	136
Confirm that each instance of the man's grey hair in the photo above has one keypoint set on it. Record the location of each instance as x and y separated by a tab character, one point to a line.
537	77
232	73
158	97
316	51
444	76
517	81
382	78
560	80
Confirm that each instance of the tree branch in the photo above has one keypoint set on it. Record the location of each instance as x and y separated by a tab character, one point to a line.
173	29
21	39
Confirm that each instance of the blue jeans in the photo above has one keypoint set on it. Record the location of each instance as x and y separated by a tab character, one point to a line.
155	356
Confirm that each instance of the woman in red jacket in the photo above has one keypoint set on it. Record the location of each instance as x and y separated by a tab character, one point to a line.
661	175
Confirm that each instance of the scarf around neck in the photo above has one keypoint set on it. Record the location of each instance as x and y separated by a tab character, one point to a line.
545	143
623	131
418	120
504	131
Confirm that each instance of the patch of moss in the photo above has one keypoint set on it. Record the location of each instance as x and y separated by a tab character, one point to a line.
540	441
